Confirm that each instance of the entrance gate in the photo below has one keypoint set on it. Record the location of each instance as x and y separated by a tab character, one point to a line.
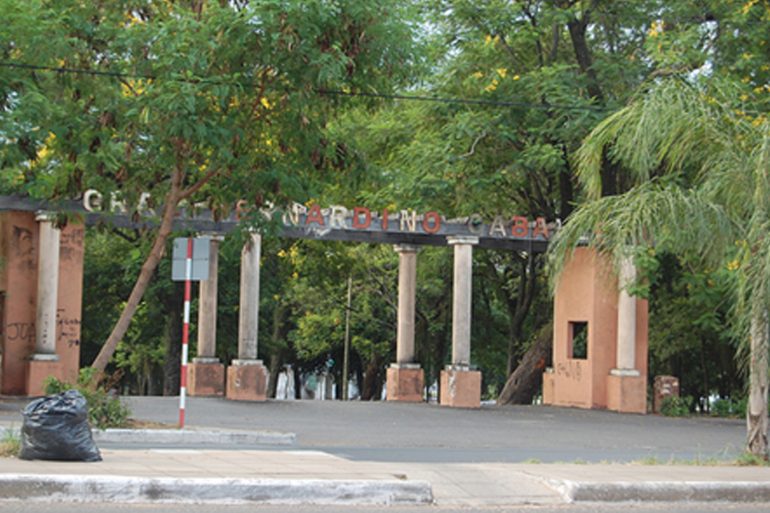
53	323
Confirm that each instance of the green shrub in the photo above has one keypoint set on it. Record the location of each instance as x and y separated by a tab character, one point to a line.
673	406
729	407
10	444
751	460
104	411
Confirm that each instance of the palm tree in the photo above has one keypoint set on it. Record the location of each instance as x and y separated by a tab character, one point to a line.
697	169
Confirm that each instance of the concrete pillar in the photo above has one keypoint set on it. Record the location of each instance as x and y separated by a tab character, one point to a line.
207	305
405	379
626	386
206	375
460	386
247	377
47	288
45	362
407	277
461	300
626	341
248	320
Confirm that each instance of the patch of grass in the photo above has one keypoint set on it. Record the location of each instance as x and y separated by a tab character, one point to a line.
147	424
10	444
532	461
752	460
744	460
650	460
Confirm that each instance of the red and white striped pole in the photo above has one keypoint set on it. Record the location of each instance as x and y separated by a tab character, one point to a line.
185	331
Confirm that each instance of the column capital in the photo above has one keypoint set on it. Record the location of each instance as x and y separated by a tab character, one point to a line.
212	235
462	239
45	215
406	248
624	372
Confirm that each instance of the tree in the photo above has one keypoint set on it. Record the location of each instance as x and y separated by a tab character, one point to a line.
194	101
700	166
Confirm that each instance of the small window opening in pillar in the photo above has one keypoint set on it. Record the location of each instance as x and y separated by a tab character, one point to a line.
578	340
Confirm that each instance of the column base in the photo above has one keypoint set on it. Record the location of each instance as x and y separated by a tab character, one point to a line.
41	366
206	378
247	381
405	383
460	388
626	391
549	386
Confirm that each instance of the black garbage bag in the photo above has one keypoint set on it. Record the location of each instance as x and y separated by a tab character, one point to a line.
56	428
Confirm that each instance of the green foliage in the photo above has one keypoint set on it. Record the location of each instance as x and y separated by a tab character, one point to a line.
104	410
748	459
729	407
10	443
675	406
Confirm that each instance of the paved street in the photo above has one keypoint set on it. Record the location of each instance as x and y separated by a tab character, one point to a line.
382	431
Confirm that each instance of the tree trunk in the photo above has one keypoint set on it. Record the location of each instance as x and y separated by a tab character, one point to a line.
145	275
519	308
279	353
756	409
577	31
276	362
371	389
524	382
172	364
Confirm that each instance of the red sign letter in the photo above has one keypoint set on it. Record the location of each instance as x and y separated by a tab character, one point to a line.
358	211
315	215
520	226
436	222
384	220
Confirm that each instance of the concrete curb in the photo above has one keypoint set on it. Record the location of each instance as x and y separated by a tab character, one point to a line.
192	436
75	488
662	491
188	436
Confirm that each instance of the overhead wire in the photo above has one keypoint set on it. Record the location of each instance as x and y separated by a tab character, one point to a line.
329	92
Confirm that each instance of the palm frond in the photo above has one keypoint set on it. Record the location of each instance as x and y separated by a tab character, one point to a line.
662	215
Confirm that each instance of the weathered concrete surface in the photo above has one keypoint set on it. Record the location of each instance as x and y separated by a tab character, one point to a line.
313	477
124	489
657	483
192	437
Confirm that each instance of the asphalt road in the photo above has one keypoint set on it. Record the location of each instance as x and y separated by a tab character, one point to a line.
28	507
382	431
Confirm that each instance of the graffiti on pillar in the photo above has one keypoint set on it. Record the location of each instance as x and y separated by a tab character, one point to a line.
71	244
67	328
571	369
19	331
23	248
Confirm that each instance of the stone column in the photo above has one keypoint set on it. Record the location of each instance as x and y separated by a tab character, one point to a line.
405	378
626	387
460	386
44	362
626	341
461	300
206	375
247	377
207	306
47	288
248	318
407	277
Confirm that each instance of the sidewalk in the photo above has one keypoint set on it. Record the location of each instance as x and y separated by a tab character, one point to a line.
313	477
